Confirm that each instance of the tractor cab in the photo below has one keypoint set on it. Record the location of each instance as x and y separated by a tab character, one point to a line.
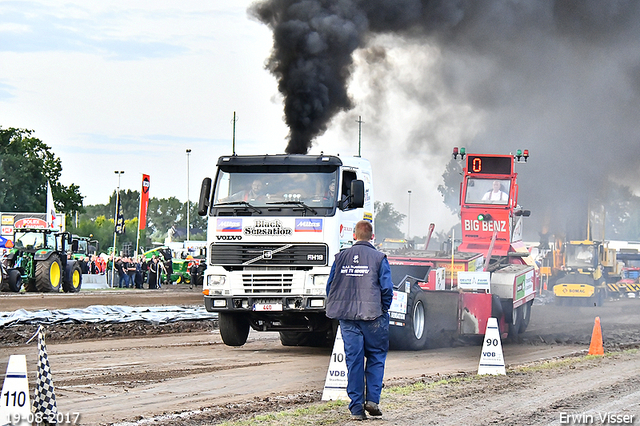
490	214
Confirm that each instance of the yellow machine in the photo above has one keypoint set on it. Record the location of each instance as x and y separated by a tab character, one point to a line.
392	245
588	267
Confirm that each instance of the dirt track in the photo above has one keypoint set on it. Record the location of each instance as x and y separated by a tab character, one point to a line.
133	376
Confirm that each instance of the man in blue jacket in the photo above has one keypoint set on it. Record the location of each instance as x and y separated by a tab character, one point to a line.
359	294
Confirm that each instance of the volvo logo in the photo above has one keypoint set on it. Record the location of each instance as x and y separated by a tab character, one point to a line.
229	237
267	254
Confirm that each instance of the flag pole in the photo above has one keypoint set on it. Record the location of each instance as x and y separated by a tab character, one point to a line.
115	220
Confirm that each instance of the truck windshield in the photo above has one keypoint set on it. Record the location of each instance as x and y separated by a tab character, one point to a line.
314	189
487	191
581	256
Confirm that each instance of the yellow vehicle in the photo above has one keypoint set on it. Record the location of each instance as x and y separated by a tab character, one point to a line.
588	267
392	245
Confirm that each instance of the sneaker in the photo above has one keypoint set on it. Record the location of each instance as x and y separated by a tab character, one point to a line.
372	408
361	416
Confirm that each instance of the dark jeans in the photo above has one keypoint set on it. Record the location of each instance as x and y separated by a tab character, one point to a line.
370	340
125	278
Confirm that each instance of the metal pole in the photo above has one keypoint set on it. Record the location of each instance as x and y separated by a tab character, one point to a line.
115	220
409	218
453	242
359	121
233	143
188	207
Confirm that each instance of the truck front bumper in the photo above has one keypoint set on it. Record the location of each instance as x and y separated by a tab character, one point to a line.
265	304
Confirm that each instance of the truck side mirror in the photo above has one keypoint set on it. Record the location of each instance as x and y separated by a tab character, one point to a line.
205	193
357	194
74	246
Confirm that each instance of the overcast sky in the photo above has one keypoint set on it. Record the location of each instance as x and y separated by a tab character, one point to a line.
130	85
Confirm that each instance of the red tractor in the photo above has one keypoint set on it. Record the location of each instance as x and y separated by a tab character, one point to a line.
442	295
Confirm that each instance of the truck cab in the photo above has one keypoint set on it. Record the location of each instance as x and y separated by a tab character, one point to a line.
275	223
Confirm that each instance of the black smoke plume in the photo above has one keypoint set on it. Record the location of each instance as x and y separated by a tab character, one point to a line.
561	78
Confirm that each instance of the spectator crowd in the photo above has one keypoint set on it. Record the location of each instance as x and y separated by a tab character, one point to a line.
129	272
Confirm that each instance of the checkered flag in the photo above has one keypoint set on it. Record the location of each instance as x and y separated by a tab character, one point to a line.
44	400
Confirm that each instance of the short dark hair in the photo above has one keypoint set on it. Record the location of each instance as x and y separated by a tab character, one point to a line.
364	231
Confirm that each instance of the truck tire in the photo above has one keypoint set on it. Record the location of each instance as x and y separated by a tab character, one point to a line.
313	339
298	338
73	278
234	328
515	323
293	338
526	316
413	336
48	275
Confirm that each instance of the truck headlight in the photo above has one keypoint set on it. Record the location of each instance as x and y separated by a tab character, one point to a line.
215	280
320	280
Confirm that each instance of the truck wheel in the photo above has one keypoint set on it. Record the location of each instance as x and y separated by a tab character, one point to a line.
73	278
293	338
48	275
413	336
297	338
526	316
515	324
234	328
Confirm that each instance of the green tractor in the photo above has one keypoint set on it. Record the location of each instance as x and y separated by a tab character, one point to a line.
40	257
84	247
177	270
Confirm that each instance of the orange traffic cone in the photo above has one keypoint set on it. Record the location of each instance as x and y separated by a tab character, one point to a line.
595	348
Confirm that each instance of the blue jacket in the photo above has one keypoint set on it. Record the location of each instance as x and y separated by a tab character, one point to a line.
359	285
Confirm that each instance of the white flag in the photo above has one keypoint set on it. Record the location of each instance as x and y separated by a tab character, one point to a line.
51	209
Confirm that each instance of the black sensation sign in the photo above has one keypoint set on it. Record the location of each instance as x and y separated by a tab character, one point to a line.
494	165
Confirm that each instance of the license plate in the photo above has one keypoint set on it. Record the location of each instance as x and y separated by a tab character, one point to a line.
267	306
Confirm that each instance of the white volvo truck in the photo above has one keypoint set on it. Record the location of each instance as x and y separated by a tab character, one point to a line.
275	223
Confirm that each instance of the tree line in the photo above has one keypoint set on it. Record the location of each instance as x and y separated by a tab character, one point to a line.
27	164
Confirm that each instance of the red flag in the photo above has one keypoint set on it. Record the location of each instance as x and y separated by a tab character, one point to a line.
144	202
